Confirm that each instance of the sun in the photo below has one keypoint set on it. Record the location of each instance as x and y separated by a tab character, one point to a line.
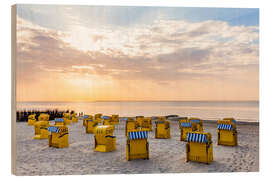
81	38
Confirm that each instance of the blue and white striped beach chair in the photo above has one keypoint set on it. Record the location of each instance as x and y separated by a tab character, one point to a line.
137	145
226	131
199	147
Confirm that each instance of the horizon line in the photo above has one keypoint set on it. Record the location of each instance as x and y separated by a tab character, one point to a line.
141	101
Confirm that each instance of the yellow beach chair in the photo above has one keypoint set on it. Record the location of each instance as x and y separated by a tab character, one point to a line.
85	118
139	120
98	118
32	119
59	136
227	133
59	122
183	119
199	147
115	119
104	139
43	117
146	124
67	118
185	127
90	126
137	145
197	124
162	130
41	130
74	118
131	125
107	120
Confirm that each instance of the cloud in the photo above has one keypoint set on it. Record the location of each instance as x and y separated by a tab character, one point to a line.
162	52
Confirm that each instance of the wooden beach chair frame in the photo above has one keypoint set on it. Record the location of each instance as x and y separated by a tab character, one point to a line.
199	147
31	119
115	119
226	132
90	126
41	130
137	145
59	136
131	125
185	127
162	130
104	139
197	124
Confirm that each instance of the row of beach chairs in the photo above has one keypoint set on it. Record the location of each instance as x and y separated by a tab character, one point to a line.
199	145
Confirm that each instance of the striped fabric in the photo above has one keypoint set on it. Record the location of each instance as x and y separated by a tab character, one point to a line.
225	127
195	121
53	129
137	135
86	116
195	137
59	120
186	124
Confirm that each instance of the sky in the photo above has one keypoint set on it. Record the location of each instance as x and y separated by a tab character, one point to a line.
117	53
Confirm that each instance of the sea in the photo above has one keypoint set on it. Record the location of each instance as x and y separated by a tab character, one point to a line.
207	110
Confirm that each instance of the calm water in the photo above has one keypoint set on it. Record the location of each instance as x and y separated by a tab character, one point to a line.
242	111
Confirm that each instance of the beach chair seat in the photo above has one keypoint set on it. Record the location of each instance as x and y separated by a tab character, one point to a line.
74	118
227	133
137	145
59	121
90	126
146	124
162	130
115	119
104	139
197	124
98	118
31	119
59	136
67	118
199	147
131	125
185	128
41	129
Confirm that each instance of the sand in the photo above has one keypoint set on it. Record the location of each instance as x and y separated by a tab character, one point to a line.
34	157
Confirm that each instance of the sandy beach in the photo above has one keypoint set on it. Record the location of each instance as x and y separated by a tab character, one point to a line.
34	157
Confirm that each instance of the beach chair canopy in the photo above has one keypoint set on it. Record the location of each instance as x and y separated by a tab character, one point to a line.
186	124
195	137
59	120
105	117
195	120
137	135
225	127
53	129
